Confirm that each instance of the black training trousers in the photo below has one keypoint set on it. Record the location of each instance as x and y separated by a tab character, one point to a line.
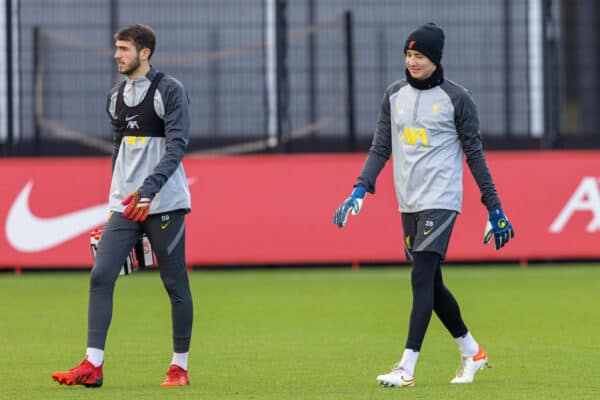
166	233
430	294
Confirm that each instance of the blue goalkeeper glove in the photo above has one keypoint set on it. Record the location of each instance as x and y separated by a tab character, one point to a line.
498	227
352	203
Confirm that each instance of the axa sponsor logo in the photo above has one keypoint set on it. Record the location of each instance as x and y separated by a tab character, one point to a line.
586	198
412	136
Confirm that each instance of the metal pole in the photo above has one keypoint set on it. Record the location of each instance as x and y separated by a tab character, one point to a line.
270	72
349	53
528	72
507	70
551	108
214	117
38	99
281	74
382	60
547	138
586	52
19	77
312	71
113	10
9	75
535	60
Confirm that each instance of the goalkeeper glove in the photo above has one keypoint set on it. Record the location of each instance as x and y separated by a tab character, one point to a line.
137	208
352	203
498	227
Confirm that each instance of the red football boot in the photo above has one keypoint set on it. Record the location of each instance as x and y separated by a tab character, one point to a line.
176	376
84	374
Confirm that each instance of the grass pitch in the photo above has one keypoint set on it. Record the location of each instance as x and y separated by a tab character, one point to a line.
308	334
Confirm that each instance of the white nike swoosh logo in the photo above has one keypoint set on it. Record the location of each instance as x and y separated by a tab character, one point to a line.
128	118
28	233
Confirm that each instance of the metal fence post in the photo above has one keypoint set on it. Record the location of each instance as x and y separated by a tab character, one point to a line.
282	75
9	81
38	85
349	55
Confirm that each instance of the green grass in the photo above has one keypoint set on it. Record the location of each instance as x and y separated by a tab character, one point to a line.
308	334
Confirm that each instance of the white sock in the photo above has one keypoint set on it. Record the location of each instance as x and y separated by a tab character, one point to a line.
409	360
180	359
95	356
467	345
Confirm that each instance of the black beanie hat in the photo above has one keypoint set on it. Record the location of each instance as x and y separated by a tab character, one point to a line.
428	40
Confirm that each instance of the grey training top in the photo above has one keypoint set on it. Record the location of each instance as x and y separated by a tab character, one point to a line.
427	131
152	164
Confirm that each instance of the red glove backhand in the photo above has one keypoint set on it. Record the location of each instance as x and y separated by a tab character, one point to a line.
137	208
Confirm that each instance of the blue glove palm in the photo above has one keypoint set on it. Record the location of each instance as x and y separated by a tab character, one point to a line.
352	203
498	227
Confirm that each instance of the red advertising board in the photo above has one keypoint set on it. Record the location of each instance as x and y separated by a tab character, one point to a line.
250	210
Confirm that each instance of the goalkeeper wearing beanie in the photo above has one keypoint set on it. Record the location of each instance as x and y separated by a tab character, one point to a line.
427	123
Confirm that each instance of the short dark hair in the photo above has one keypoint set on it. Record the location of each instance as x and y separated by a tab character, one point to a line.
141	35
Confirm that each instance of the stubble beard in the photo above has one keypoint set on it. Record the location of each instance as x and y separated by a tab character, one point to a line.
135	64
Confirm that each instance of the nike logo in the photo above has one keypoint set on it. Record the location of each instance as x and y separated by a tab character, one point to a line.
28	233
129	118
481	355
427	231
164	226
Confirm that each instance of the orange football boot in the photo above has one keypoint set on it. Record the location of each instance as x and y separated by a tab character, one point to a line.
176	376
84	374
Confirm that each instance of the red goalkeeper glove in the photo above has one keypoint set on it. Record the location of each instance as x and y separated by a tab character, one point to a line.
137	208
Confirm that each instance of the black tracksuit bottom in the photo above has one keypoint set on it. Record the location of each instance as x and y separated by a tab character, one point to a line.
166	233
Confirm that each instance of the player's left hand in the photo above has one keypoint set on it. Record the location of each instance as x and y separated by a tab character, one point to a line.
498	227
118	125
137	208
351	204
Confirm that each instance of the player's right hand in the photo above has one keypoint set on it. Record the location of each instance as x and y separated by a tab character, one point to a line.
351	204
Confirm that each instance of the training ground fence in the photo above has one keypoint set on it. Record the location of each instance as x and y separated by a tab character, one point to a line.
303	76
254	86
